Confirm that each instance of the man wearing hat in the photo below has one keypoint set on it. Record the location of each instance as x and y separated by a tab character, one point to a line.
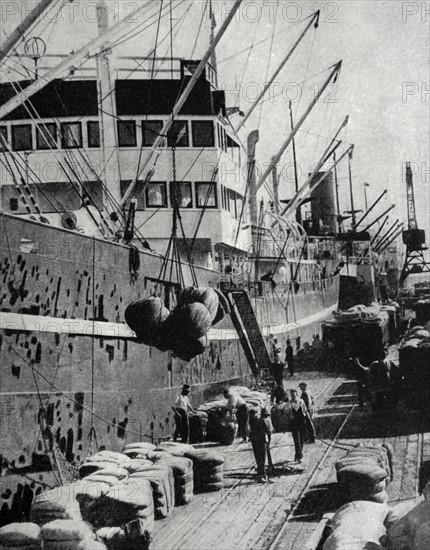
182	409
260	435
299	417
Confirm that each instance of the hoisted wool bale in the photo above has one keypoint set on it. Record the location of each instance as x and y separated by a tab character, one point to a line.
208	470
63	534
186	347
20	536
55	504
220	428
182	469
145	317
192	320
206	296
129	500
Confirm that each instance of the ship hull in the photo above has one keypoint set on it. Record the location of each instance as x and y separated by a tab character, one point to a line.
72	373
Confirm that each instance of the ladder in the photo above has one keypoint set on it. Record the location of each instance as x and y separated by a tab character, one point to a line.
248	329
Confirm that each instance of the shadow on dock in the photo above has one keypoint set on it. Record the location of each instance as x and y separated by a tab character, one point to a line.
316	502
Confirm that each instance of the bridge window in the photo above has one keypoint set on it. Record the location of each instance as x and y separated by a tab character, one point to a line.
206	195
127	133
93	131
22	139
71	135
231	142
150	131
177	136
46	136
156	195
203	133
3	138
181	190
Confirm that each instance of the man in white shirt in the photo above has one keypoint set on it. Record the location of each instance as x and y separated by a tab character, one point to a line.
182	409
236	404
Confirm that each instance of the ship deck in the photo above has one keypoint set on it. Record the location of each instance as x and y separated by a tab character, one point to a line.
284	513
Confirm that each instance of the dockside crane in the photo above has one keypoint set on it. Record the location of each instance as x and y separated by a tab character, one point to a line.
413	238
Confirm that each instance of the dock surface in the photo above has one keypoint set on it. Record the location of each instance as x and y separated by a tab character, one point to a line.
284	513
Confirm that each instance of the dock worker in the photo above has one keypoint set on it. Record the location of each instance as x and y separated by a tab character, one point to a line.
182	409
260	436
289	357
308	398
300	421
278	368
362	374
237	405
278	394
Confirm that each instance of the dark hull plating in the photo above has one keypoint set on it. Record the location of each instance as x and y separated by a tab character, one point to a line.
56	361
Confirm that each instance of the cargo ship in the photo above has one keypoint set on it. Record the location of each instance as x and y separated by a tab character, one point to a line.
87	218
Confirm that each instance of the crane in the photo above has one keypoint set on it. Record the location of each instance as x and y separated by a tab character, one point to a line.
413	238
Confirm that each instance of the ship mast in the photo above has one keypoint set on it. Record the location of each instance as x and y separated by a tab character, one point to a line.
314	20
62	69
277	157
296	179
19	32
253	139
147	166
107	114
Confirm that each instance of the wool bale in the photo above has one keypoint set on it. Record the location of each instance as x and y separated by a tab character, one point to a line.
401	533
175	448
341	540
109	479
206	296
205	457
348	460
88	468
127	501
187	347
220	314
189	320
55	504
162	483
361	475
137	463
145	316
65	534
20	536
143	446
399	511
87	494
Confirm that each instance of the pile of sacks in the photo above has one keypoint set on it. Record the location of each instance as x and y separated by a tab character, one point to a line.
364	472
358	525
408	524
208	468
20	536
220	427
184	330
414	356
114	504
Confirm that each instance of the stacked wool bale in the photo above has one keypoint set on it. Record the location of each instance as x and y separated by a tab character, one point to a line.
65	534
208	468
53	505
408	526
365	471
20	536
161	478
129	507
358	525
138	450
182	472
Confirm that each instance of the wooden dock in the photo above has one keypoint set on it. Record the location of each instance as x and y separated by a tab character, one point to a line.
284	513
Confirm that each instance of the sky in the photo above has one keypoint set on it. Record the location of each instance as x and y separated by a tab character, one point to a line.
383	85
